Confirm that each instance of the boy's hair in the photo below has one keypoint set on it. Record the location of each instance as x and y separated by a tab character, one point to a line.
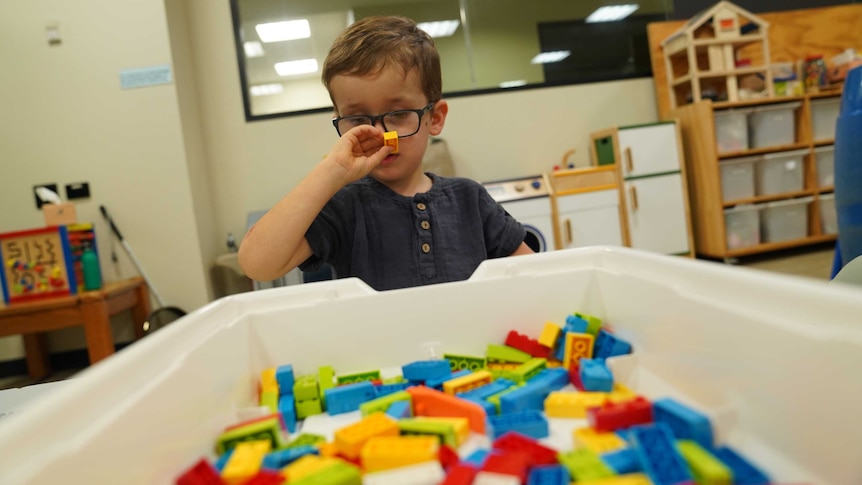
370	44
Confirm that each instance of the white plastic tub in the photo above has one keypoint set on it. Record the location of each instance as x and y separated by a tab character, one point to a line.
780	173
737	178
731	130
773	125
785	220
742	226
828	216
773	360
825	162
824	115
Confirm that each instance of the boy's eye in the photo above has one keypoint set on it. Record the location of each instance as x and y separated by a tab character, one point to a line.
357	120
399	115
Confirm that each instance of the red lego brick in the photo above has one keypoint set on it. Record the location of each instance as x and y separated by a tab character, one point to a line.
447	456
575	376
266	477
516	442
512	463
460	474
614	416
527	344
201	473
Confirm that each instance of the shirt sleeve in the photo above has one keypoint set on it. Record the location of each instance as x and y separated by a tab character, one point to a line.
503	233
329	231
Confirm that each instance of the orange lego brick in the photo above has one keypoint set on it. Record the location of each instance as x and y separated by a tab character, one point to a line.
390	138
349	439
577	345
388	452
431	402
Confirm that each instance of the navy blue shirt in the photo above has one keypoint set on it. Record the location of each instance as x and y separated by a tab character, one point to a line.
391	241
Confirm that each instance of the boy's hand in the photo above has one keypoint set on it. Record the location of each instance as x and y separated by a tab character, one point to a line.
359	151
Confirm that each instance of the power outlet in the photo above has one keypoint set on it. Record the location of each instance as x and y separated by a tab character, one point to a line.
39	203
81	190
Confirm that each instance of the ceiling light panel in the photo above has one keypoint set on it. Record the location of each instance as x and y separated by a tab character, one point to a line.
295	68
266	89
281	31
610	13
550	56
253	49
441	28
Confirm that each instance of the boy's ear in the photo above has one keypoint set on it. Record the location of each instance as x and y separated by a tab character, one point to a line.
438	117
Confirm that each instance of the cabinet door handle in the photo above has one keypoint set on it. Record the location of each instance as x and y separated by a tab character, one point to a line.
569	239
633	196
630	165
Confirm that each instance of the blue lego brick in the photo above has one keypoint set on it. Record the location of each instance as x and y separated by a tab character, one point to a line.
549	475
486	391
279	459
488	406
347	398
477	458
387	389
285	379
222	460
685	423
625	434
556	378
744	472
531	423
437	382
609	345
595	375
658	455
529	396
400	409
625	460
576	324
422	370
287	408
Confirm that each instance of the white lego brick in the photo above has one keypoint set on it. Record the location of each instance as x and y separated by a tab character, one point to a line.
429	473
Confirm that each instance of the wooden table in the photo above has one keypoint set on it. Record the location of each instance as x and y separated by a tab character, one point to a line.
90	309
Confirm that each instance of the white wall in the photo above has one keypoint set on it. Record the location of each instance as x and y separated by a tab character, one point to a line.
179	167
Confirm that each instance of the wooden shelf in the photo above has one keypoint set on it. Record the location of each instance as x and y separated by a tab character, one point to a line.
763	151
768	198
740	41
769	247
824	142
719	105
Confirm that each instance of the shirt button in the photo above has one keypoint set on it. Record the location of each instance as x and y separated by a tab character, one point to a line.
426	248
425	225
420	206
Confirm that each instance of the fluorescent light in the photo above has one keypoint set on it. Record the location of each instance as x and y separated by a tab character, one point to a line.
266	89
609	13
286	30
253	49
513	84
442	28
293	68
549	57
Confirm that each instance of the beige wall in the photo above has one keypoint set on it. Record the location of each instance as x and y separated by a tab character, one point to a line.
179	167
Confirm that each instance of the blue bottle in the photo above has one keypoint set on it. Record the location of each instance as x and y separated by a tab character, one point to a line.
848	169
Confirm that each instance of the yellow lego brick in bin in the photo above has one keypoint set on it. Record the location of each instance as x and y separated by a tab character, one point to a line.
549	334
327	449
621	393
388	452
307	465
577	345
468	382
598	441
567	404
267	380
245	461
390	138
349	439
627	479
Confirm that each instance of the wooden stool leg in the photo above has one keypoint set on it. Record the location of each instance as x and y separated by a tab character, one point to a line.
97	328
36	350
141	310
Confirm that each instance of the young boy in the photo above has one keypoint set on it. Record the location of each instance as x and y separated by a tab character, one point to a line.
367	210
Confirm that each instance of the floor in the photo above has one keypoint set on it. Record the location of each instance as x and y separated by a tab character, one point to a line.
811	262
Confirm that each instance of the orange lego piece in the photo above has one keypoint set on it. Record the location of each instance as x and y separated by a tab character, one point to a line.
387	452
431	402
349	439
578	345
390	138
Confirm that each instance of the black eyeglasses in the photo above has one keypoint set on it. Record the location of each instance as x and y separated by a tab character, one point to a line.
405	122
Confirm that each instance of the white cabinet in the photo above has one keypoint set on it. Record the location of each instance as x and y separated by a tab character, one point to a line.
656	215
649	149
589	219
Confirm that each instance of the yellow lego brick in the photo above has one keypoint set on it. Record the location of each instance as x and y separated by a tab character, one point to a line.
627	479
621	393
598	441
349	439
562	404
550	334
245	461
307	465
578	345
388	452
461	426
465	383
327	449
390	138
267	380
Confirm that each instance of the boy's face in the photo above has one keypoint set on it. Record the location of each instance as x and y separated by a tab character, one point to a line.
380	93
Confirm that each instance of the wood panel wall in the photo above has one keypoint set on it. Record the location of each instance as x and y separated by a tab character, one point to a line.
793	35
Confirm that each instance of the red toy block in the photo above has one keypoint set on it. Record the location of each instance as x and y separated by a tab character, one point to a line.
266	477
511	463
201	473
538	454
448	457
460	474
614	416
527	344
575	376
431	402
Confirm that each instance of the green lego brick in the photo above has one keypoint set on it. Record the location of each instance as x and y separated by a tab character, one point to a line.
594	324
705	467
358	377
585	464
326	380
308	407
306	388
504	353
381	404
270	400
527	370
465	362
393	380
444	431
495	399
306	439
267	429
338	473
